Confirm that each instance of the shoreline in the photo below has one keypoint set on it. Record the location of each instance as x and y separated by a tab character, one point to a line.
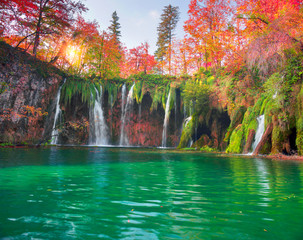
278	156
283	157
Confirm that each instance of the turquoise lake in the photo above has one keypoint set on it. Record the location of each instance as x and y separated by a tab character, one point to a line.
120	193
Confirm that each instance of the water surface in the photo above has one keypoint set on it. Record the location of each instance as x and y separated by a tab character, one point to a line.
112	193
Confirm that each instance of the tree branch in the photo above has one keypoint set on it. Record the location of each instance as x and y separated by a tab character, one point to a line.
25	39
253	18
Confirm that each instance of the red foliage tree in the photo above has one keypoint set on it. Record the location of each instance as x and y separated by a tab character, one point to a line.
139	60
36	19
208	25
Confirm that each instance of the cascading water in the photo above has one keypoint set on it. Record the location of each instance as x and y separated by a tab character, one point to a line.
98	131
190	143
185	123
126	112
259	132
58	112
187	120
166	121
123	100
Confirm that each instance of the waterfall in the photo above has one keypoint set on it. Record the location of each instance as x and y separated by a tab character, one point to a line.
191	142
58	112
187	120
123	100
98	131
185	123
259	132
126	112
166	121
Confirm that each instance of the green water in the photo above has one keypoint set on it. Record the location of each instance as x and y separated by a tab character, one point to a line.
111	193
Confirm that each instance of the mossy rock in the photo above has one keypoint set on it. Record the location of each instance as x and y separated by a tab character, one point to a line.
299	122
266	149
188	149
186	134
277	140
202	141
299	139
236	141
236	119
207	149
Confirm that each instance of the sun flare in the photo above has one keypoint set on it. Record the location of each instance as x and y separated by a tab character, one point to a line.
72	53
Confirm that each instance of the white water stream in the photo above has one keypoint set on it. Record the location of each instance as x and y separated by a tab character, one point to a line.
58	112
98	131
126	112
259	133
166	121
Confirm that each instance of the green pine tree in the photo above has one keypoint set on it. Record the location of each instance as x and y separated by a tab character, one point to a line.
115	26
169	20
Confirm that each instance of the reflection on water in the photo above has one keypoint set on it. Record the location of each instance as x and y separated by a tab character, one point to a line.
96	193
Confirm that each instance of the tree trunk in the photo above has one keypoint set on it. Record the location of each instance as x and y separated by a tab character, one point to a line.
249	141
264	139
38	27
37	36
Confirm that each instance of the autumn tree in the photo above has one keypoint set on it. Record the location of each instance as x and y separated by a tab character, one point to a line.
105	57
270	27
169	20
208	26
82	38
37	19
4	15
182	58
139	60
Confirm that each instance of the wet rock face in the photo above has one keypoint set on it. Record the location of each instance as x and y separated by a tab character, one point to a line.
27	87
142	126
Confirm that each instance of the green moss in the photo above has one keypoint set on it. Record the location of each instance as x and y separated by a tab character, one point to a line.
157	98
158	86
299	122
197	93
253	125
263	106
187	132
236	118
258	105
81	87
236	141
207	149
112	90
202	141
299	139
188	149
6	144
268	112
138	91
266	149
277	140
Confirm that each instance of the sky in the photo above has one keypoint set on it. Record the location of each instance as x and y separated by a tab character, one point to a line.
139	19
